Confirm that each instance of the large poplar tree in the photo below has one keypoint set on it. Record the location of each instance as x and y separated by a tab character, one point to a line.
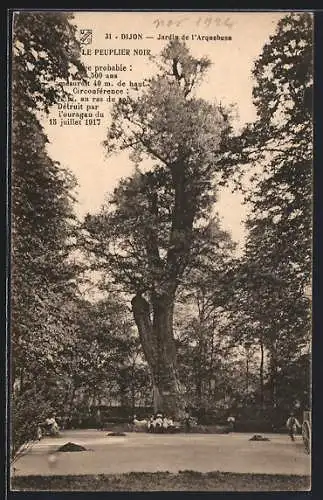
159	221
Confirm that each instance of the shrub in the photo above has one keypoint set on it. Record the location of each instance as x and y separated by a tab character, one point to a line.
28	409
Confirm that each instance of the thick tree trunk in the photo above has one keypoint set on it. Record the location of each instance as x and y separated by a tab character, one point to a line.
273	376
155	323
261	375
156	333
199	373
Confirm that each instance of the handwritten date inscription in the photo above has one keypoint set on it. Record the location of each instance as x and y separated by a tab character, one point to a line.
206	22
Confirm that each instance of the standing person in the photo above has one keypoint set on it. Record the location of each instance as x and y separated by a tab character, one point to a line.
165	423
150	424
171	427
187	421
39	432
153	423
292	424
159	422
231	422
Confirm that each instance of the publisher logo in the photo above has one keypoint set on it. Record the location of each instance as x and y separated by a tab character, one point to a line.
85	36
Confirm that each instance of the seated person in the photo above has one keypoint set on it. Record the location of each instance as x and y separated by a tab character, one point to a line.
52	425
171	425
150	424
165	424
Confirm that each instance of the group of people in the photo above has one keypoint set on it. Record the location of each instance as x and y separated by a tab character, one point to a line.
160	423
157	423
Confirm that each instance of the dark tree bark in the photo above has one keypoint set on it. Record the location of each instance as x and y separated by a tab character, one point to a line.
155	327
154	319
261	374
273	376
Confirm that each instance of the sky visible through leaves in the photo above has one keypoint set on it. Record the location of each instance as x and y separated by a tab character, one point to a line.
228	81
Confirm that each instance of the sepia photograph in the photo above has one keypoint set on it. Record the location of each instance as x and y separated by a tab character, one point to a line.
160	329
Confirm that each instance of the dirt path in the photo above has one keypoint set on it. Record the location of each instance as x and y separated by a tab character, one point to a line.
141	452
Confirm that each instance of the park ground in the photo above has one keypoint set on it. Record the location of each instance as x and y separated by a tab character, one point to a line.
148	462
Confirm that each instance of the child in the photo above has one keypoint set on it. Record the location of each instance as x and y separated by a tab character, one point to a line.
292	424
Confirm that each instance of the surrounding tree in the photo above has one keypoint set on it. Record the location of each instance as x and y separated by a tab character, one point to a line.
201	326
275	272
282	200
104	361
279	240
279	147
45	53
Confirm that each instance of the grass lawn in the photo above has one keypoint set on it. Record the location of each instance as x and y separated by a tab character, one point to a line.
164	481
